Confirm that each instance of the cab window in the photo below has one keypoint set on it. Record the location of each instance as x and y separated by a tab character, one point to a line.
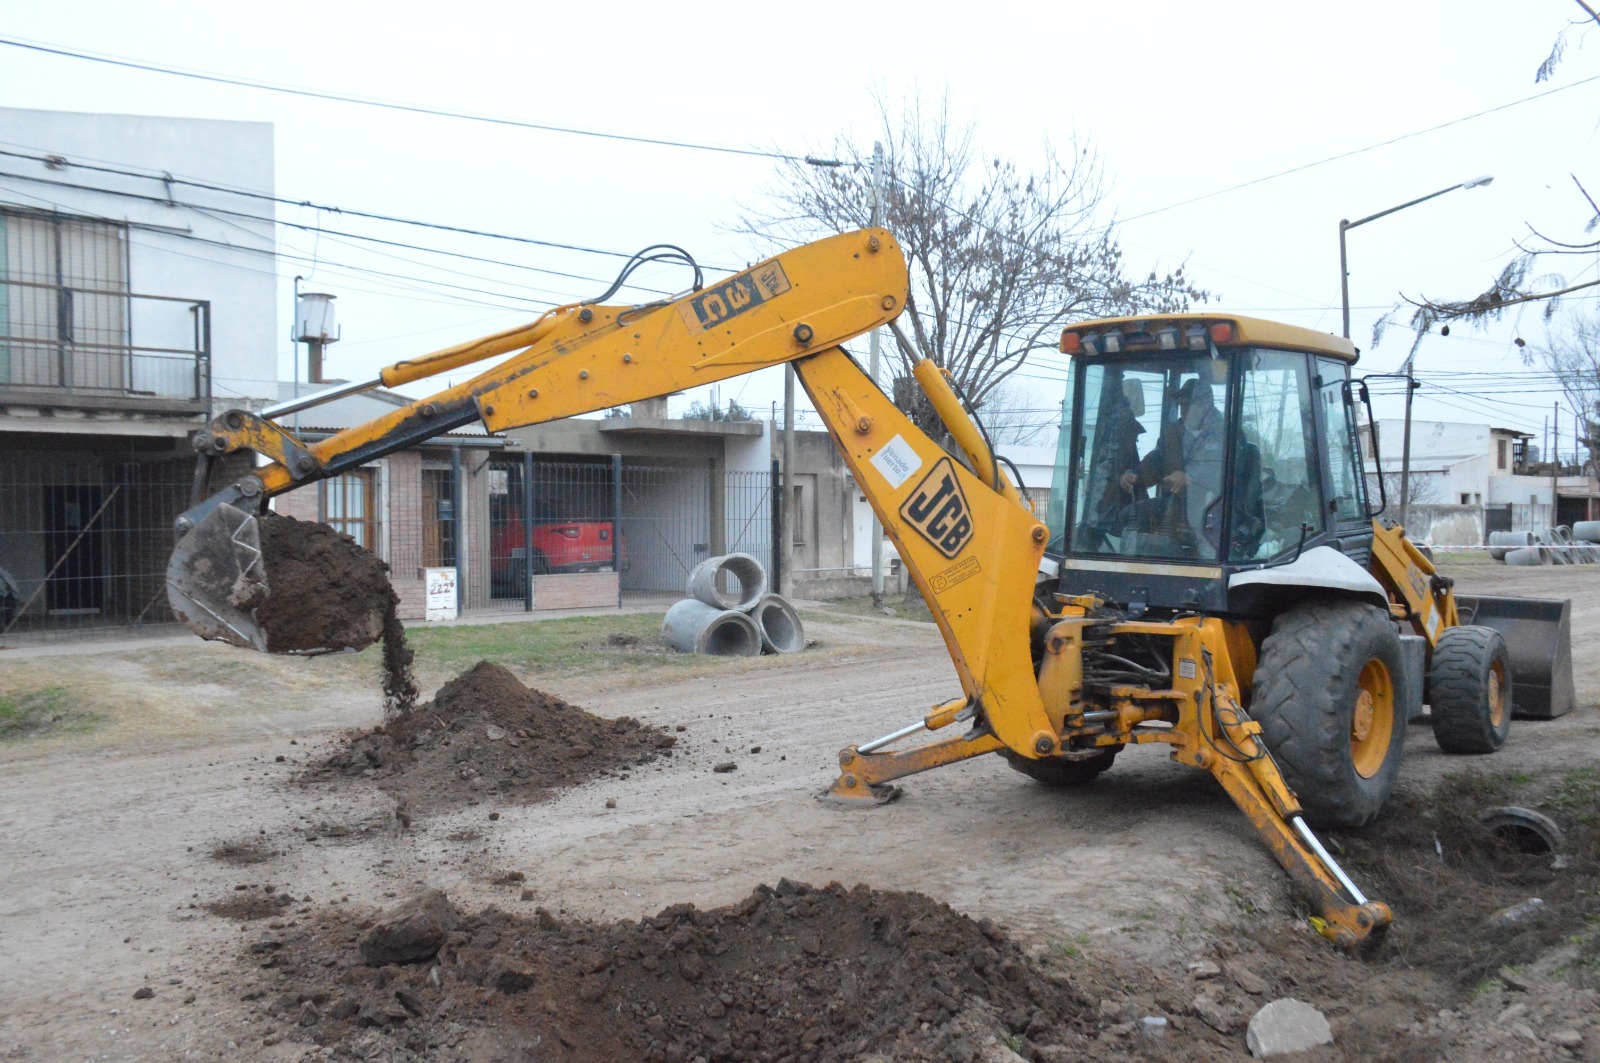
1275	466
1347	502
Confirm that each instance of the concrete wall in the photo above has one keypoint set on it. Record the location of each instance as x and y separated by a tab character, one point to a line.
826	516
1446	525
240	282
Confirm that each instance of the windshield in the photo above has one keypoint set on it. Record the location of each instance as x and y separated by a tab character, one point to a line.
1148	456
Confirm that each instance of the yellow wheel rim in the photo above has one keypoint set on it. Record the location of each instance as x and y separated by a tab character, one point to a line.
1372	722
1497	695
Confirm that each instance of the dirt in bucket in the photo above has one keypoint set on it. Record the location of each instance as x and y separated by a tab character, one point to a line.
487	735
326	592
790	973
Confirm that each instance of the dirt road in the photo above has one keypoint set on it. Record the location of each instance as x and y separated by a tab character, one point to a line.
109	850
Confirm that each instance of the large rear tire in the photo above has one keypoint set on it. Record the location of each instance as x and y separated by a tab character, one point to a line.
1057	771
1325	695
1470	688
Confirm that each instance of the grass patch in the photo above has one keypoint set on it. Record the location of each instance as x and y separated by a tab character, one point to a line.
28	714
894	603
579	645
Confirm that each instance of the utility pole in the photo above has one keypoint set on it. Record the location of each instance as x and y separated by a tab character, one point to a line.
1555	459
872	370
1405	447
786	532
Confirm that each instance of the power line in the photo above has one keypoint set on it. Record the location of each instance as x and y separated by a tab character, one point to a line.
167	179
1361	151
259	218
408	108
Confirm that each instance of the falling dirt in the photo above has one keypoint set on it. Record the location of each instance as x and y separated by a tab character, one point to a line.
326	593
485	736
790	973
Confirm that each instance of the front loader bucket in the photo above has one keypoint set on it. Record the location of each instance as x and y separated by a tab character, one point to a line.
1538	634
215	579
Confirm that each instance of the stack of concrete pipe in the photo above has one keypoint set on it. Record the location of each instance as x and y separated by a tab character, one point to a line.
744	621
1554	546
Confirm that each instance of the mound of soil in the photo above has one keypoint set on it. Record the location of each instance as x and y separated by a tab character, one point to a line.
326	592
485	734
250	902
790	973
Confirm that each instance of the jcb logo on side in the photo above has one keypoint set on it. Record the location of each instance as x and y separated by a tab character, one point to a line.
734	296
938	510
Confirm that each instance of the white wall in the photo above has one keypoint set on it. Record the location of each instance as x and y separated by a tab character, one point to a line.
1432	442
749	453
240	279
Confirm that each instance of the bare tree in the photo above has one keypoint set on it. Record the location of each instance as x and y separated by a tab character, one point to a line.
1016	414
1000	258
1425	488
1524	278
1572	353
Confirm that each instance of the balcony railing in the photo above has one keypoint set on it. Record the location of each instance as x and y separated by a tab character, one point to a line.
68	346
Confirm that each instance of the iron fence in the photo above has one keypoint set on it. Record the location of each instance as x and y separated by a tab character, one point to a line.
748	512
84	544
84	541
543	518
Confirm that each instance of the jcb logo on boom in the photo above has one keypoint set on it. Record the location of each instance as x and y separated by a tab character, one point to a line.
938	510
734	296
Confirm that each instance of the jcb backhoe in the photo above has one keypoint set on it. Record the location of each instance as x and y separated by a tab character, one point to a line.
1209	573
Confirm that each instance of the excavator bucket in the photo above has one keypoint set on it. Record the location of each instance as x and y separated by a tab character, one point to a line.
216	579
1538	634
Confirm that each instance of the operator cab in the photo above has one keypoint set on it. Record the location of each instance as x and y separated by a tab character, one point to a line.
1192	448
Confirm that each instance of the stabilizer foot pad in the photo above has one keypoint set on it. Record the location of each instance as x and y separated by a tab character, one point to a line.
848	791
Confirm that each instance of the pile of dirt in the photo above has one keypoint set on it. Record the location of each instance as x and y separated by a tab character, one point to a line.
250	902
485	734
790	973
326	592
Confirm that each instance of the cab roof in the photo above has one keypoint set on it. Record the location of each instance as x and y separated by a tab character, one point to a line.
1246	332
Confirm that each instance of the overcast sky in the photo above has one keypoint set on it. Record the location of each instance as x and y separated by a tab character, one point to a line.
1182	102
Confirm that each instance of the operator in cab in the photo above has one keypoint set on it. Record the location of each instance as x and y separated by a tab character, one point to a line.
1185	467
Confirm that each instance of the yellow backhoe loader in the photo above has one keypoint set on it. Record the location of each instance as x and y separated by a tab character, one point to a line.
1208	573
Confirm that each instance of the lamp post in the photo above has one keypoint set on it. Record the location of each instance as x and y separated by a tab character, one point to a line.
1344	301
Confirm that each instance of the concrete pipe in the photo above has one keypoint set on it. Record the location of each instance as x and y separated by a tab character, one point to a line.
695	627
780	625
1525	555
1587	531
1502	541
741	574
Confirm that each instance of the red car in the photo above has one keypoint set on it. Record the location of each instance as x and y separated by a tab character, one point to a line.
558	546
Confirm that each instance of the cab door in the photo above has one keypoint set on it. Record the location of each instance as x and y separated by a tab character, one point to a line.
1346	494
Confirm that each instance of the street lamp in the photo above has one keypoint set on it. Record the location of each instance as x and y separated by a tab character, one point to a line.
1344	300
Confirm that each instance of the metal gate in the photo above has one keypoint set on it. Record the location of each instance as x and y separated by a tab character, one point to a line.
666	528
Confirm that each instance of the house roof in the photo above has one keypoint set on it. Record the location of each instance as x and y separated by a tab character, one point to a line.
358	409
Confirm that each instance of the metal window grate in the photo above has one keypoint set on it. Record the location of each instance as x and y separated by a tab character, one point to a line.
69	325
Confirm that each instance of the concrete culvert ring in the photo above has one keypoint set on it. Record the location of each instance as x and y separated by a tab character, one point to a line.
727	637
732	581
1522	829
695	627
1502	543
1525	556
781	631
